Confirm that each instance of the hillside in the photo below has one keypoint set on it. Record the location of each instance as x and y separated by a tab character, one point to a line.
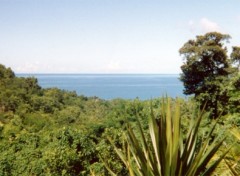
56	132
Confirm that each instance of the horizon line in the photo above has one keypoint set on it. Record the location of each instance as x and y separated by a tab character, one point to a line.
99	73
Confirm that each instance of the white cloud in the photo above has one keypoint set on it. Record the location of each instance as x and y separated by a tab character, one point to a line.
33	67
42	67
238	18
28	68
204	25
114	66
209	26
192	25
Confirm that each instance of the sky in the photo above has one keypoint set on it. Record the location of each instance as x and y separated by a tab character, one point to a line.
108	36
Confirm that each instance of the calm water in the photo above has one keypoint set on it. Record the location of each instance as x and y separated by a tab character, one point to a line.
109	86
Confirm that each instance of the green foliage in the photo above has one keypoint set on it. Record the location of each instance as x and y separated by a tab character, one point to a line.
167	154
233	161
56	132
62	152
34	138
205	58
235	55
207	70
234	93
106	153
6	73
15	91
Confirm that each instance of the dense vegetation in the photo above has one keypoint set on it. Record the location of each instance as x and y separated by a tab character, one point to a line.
167	152
210	74
56	132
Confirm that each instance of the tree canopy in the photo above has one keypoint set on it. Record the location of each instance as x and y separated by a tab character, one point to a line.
207	68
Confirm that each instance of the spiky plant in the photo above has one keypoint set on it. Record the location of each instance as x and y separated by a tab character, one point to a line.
233	163
167	154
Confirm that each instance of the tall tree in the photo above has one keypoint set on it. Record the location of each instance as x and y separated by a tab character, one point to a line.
235	81
235	56
205	70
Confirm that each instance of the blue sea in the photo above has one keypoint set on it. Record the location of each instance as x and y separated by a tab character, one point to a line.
111	86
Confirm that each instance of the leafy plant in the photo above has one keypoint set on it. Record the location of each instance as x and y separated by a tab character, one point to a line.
167	153
233	163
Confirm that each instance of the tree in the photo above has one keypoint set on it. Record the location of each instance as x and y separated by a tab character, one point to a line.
205	70
235	55
6	72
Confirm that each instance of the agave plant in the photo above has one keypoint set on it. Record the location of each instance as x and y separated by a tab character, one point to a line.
233	163
166	153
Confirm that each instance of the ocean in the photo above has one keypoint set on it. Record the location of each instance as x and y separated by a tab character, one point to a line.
111	86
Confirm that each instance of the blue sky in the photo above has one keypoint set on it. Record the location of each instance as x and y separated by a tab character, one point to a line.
107	36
